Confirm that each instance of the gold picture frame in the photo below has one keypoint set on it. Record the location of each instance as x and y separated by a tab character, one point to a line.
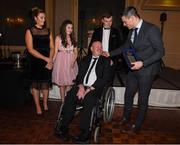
173	5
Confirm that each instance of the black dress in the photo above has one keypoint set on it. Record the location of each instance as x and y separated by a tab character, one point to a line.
38	73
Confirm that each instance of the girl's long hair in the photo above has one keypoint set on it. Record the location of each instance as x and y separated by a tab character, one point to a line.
63	34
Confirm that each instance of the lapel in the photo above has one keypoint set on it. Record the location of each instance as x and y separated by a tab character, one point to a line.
99	65
129	38
110	37
101	33
88	62
140	34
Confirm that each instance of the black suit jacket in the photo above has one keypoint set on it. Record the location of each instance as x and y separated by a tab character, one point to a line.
103	69
115	38
148	46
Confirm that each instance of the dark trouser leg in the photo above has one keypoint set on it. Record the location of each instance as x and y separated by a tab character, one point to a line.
89	102
131	89
69	107
145	84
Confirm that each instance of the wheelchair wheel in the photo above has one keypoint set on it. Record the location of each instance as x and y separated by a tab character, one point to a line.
60	112
58	122
109	104
96	134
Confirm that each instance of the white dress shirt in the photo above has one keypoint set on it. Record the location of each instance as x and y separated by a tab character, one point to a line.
138	28
105	39
92	76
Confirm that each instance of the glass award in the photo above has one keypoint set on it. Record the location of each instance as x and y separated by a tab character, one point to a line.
130	56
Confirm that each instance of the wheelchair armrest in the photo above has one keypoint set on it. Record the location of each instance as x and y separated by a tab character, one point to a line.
105	89
108	85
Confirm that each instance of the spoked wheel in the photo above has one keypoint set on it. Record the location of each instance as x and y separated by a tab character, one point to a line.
97	134
59	121
109	104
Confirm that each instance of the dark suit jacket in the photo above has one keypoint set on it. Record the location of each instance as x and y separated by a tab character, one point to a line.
149	47
103	69
115	38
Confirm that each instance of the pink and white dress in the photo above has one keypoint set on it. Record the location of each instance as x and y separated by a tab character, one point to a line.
63	73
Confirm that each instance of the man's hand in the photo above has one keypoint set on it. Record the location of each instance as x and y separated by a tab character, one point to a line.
105	53
137	65
81	92
87	91
111	63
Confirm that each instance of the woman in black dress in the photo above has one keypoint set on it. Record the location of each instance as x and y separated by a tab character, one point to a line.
39	43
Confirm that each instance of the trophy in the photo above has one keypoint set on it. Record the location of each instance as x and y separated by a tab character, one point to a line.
130	56
17	57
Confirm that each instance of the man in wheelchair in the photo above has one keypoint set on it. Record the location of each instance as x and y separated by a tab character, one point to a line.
95	71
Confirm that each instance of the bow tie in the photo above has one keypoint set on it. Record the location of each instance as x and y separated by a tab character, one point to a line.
107	28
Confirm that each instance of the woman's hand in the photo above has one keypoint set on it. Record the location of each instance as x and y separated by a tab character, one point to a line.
47	59
49	64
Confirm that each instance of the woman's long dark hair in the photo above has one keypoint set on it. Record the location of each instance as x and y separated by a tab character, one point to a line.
63	34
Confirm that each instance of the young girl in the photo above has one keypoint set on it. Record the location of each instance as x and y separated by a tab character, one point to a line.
65	66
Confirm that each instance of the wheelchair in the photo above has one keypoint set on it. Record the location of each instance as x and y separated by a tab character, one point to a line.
102	111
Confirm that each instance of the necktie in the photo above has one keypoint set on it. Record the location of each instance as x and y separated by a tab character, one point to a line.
135	34
94	61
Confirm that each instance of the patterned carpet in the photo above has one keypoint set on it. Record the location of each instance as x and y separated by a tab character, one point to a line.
20	124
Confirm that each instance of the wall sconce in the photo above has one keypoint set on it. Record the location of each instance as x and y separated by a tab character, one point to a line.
14	20
93	23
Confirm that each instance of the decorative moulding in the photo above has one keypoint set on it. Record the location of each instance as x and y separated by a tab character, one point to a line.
171	5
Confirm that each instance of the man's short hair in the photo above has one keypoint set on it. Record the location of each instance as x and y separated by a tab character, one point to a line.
107	14
130	11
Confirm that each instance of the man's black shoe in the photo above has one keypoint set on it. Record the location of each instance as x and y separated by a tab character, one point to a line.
83	138
123	121
132	130
62	133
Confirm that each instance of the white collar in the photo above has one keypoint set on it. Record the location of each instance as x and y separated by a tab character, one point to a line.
95	56
139	24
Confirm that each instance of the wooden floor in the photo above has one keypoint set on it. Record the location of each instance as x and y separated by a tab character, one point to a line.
21	125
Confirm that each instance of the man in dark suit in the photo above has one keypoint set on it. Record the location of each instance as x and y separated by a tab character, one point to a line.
110	37
95	72
145	39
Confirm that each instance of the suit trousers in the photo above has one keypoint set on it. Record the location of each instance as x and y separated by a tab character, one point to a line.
69	107
141	84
